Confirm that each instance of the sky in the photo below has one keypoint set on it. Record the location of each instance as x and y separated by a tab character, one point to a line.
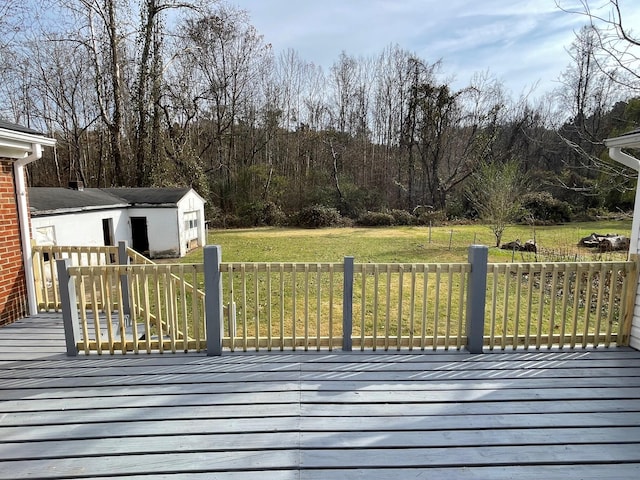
523	43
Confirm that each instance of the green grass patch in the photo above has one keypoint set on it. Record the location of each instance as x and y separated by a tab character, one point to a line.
446	244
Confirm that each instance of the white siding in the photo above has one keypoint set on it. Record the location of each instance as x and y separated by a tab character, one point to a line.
162	230
82	228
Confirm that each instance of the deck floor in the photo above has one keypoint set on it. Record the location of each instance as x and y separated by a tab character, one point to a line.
314	416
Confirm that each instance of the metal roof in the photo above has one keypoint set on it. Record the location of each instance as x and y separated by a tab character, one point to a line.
149	196
50	200
18	128
55	200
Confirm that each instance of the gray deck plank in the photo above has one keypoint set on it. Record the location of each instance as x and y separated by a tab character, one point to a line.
511	472
281	416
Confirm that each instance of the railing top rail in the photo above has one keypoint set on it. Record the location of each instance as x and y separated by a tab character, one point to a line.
137	268
408	267
560	266
138	258
281	266
75	249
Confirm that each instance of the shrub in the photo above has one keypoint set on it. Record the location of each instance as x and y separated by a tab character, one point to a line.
543	207
259	213
402	217
317	216
376	219
431	217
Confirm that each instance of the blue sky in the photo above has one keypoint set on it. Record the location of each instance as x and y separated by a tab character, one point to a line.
521	42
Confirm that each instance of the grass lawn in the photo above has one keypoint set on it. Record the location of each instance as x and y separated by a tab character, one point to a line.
409	304
407	244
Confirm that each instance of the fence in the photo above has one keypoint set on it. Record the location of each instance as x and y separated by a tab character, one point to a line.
303	306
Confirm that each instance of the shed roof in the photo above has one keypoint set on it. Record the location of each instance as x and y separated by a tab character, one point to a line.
55	200
50	200
149	196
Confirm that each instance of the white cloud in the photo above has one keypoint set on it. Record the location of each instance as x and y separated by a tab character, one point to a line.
521	42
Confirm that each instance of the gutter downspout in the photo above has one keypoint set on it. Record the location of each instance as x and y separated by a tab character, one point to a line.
23	215
627	160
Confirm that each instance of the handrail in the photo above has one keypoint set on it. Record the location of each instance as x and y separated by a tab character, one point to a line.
292	305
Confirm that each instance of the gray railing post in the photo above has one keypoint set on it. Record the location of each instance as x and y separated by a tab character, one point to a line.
476	297
347	305
69	306
123	259
213	299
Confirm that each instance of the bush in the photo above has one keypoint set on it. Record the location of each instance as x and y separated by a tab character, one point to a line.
543	207
318	216
376	219
431	217
402	217
259	214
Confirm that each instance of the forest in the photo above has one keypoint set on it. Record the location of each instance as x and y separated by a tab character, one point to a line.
189	93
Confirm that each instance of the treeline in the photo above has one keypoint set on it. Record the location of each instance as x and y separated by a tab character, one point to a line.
163	93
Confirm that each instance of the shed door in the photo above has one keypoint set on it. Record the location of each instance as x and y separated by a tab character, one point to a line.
139	236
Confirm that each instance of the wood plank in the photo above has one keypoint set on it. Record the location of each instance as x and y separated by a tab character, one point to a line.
148	428
511	472
119	465
535	414
470	457
142	445
13	378
158	413
540	369
469	438
328	407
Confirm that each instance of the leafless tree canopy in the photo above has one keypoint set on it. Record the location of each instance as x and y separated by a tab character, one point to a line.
168	92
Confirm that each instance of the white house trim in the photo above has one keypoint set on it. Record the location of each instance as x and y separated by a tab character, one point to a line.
615	145
24	148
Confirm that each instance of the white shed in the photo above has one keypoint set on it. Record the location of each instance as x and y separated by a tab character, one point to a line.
631	141
158	222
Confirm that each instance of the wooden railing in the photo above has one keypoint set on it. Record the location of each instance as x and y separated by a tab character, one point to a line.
303	306
564	304
166	312
44	268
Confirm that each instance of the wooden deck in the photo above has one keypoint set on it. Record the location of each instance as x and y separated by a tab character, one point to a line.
314	416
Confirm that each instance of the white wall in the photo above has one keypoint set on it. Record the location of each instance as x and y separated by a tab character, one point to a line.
162	230
82	228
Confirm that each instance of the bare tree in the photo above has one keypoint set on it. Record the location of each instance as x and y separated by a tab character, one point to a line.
495	190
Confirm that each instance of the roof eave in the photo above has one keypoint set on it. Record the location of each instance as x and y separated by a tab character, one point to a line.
624	141
17	145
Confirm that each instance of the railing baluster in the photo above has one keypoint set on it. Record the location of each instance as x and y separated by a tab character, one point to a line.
543	282
331	287
576	305
412	299
306	307
587	306
281	298
318	306
436	308
554	294
400	297
256	299
269	300
613	287
425	303
243	279
447	333
596	330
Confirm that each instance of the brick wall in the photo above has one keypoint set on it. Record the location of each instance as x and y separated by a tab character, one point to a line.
13	292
